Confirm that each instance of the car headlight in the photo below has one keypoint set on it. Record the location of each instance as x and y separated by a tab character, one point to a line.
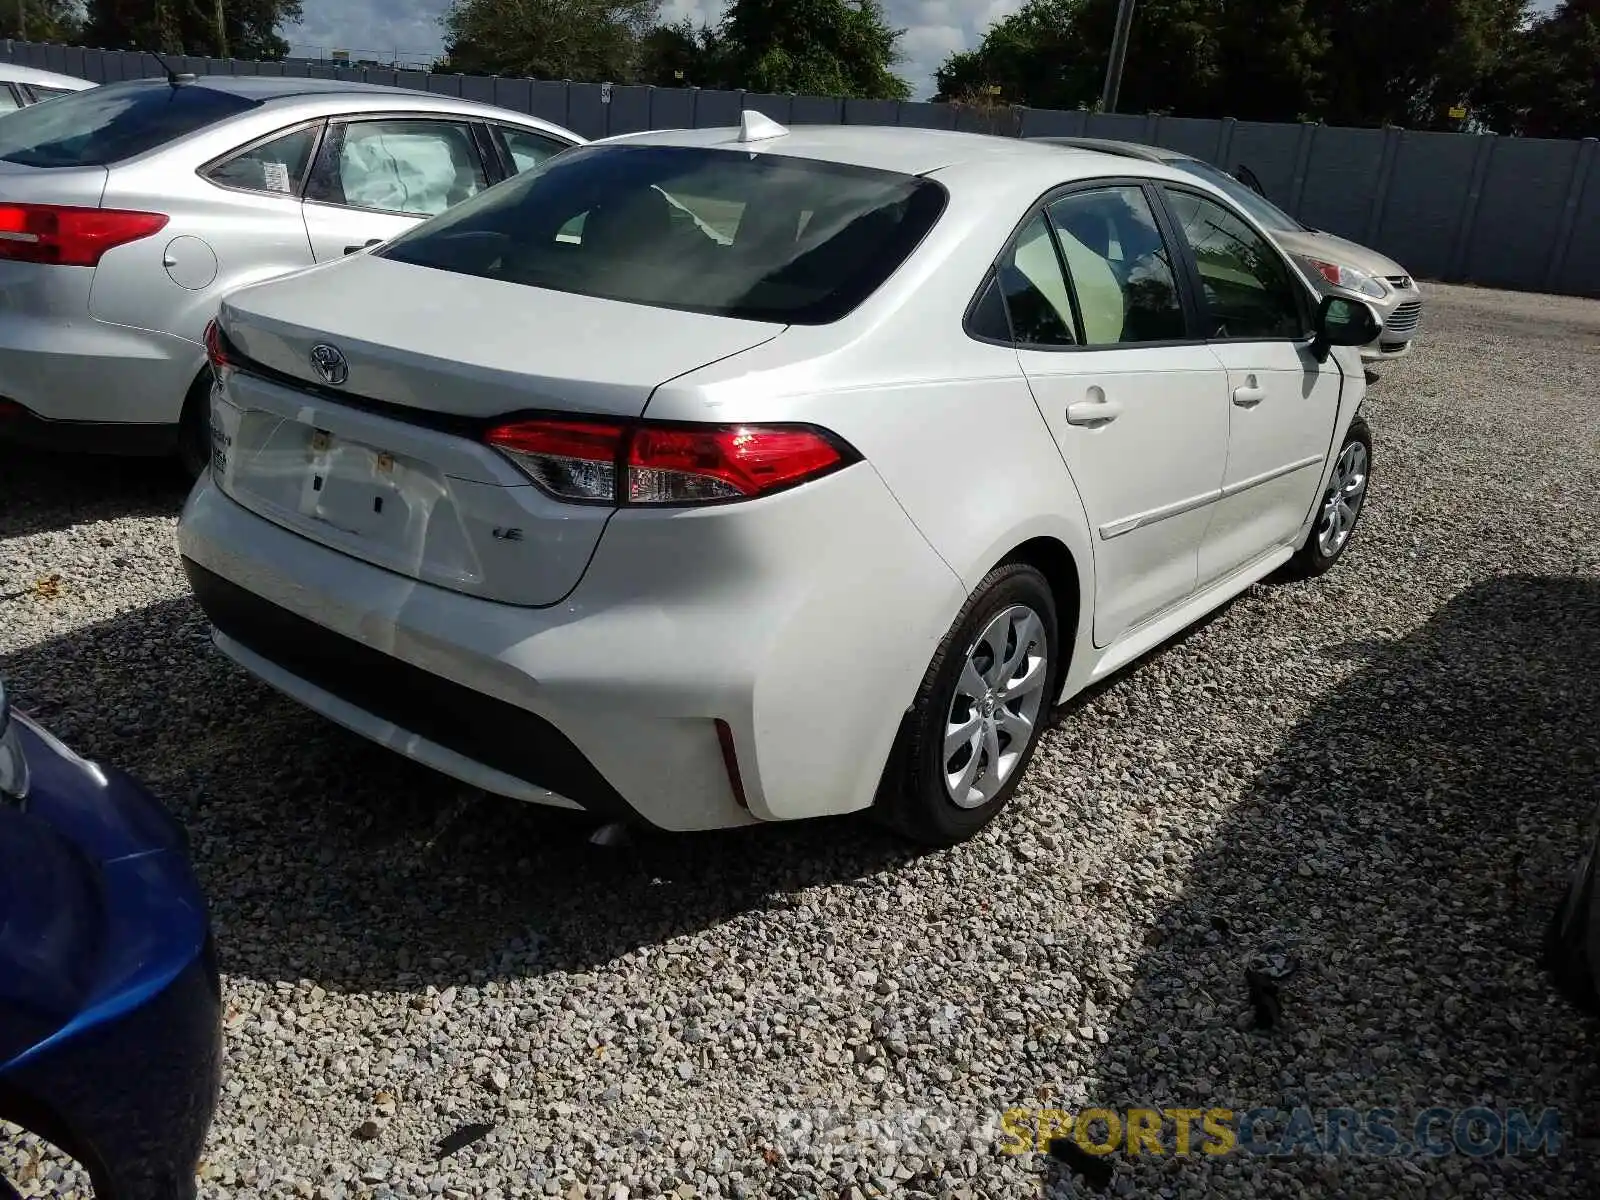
13	766
1349	278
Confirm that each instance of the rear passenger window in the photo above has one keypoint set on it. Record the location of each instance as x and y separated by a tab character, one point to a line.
1035	291
1120	266
276	166
526	148
988	318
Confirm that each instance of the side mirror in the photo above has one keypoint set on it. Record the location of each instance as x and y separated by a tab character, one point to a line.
1342	321
366	246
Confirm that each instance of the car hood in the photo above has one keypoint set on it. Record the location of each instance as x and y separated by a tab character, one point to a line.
1329	247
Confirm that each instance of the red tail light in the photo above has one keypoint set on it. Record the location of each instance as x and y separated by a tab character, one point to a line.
216	347
597	462
70	237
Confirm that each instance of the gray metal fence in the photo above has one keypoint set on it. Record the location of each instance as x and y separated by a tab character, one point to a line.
1520	213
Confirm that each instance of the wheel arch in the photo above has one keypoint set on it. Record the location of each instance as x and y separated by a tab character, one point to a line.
1061	551
1055	561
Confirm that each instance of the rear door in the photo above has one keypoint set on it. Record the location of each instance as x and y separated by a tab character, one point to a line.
375	178
1283	403
1137	406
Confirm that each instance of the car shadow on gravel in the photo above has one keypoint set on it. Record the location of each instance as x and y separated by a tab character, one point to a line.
41	492
328	858
1407	845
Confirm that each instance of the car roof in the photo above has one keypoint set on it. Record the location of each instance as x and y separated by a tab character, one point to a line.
273	87
331	97
17	73
884	147
1138	150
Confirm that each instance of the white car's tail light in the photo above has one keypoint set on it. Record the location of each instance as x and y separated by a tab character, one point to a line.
217	348
572	460
602	462
65	236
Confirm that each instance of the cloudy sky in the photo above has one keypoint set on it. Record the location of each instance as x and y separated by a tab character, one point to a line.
411	27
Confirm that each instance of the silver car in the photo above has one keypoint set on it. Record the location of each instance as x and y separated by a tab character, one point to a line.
127	211
1334	264
21	86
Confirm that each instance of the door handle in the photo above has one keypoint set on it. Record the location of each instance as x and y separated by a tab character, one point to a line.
1093	412
1250	394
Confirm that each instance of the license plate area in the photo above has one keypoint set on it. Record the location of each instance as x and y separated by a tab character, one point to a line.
417	501
363	490
351	492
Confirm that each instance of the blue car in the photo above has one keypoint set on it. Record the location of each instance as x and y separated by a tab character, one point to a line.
110	1003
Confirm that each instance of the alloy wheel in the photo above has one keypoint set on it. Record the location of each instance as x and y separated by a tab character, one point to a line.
1342	503
998	698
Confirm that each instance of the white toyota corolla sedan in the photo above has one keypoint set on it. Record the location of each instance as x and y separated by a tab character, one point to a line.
716	477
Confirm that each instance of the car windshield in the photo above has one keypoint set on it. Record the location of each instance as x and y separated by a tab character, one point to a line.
1267	214
105	125
763	237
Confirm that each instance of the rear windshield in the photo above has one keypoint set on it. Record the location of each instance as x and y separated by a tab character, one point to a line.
762	237
105	125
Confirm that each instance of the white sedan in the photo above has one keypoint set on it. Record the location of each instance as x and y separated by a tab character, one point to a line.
716	477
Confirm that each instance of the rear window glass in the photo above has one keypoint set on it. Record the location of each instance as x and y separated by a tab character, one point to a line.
763	237
108	124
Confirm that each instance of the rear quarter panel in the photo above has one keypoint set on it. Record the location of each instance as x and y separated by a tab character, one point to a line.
242	237
948	422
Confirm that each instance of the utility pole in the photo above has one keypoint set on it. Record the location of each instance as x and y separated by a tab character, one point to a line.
1119	54
222	32
22	20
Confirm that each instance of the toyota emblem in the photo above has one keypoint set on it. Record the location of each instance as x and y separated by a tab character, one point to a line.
330	363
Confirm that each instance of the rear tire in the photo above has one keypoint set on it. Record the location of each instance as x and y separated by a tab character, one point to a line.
194	427
976	721
1339	508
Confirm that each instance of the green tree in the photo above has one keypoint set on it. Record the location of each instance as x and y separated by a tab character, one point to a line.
1192	57
681	55
1547	83
1037	55
59	21
587	40
1407	62
249	28
810	47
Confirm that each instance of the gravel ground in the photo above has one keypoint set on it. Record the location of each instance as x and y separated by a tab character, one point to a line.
1385	772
